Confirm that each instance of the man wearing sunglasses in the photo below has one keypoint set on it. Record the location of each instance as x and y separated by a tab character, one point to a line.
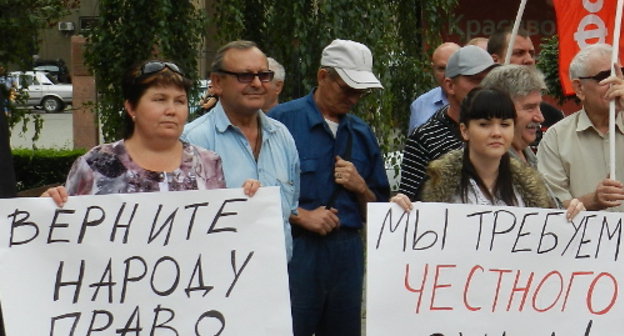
250	144
341	170
573	156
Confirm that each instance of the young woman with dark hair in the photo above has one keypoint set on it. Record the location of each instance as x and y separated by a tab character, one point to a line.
483	172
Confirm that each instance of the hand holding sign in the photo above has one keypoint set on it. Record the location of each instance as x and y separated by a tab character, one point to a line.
457	269
179	263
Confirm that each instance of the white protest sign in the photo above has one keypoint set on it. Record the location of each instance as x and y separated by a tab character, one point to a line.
175	263
468	270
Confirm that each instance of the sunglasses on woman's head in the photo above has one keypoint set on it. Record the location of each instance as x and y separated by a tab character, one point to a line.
153	67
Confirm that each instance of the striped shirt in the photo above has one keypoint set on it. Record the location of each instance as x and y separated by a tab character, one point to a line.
439	135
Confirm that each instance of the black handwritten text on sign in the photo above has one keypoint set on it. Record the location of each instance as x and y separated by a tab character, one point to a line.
187	263
486	270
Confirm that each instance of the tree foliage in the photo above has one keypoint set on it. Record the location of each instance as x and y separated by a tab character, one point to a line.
548	63
130	31
397	32
21	22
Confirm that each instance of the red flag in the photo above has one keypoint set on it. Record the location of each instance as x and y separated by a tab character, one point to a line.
579	24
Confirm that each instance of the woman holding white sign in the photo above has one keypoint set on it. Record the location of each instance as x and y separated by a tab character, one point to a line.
150	157
483	172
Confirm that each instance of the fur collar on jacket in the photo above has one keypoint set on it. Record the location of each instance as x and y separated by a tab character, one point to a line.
445	176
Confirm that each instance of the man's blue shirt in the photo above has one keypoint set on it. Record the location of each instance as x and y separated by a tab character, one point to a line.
317	153
277	165
425	106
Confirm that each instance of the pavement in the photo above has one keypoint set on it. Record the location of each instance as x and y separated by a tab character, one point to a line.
57	132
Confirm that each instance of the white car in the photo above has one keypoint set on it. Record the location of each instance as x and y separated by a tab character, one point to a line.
43	91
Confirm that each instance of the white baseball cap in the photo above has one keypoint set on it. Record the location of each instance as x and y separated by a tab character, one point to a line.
353	61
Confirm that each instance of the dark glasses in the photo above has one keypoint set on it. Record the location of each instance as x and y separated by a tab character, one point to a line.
599	76
248	77
153	67
351	92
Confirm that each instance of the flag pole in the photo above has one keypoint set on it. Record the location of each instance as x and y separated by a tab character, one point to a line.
514	32
614	60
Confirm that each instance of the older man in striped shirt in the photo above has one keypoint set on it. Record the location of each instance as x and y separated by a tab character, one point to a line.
440	134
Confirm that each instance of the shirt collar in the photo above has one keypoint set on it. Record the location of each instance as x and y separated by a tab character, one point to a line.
223	122
529	156
585	123
440	97
317	118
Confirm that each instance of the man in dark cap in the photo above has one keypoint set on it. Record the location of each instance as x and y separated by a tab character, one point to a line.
440	134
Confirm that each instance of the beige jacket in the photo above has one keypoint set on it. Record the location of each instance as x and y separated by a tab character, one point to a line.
445	176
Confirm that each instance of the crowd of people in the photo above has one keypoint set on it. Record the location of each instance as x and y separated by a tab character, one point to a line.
471	140
572	158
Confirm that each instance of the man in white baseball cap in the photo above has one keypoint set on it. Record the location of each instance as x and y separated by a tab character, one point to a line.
341	170
353	62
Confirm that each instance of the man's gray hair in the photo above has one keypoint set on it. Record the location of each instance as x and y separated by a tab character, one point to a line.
280	73
579	66
516	80
217	64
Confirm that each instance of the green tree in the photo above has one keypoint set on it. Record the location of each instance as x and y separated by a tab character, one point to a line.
396	31
548	63
130	31
21	22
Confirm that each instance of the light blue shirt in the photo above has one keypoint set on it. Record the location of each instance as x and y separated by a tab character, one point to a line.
277	165
425	106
